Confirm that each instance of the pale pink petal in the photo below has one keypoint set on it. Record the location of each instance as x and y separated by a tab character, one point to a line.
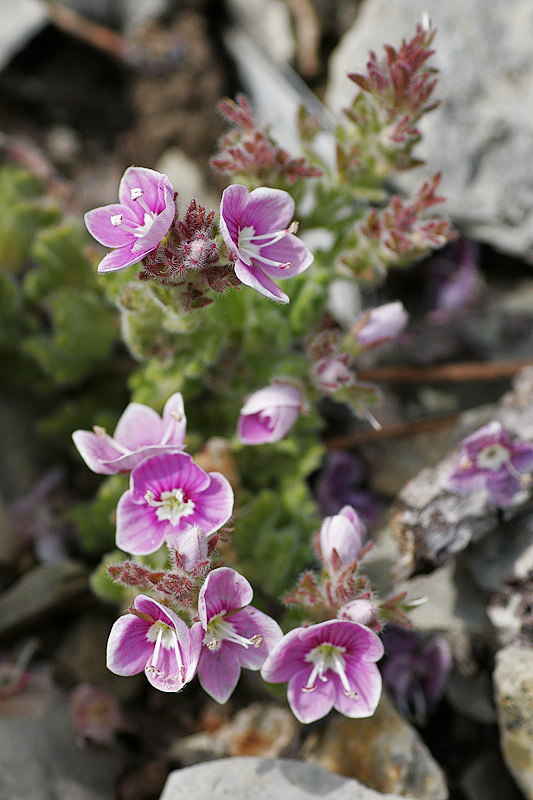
218	673
157	229
213	505
165	472
119	259
251	622
268	210
277	394
232	205
309	706
365	679
289	250
154	186
174	421
139	532
95	451
286	657
138	426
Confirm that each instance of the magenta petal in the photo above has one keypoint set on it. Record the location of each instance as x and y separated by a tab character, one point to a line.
165	472
153	185
256	279
289	250
99	225
157	230
273	396
119	259
95	451
128	648
139	532
213	506
219	672
223	590
309	706
286	657
138	426
232	205
251	622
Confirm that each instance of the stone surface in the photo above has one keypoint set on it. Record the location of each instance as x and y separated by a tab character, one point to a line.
40	760
481	137
487	779
513	689
384	752
263	779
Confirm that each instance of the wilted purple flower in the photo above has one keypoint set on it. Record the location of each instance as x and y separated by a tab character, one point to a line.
340	483
328	665
333	372
96	715
167	494
381	324
269	414
256	227
341	539
415	671
137	224
454	279
154	639
490	460
140	433
235	634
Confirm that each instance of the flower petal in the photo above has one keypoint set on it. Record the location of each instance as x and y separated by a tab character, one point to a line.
119	259
232	205
138	426
99	225
256	279
251	622
174	421
308	706
128	648
219	672
213	506
365	679
224	589
267	210
289	250
97	452
139	532
154	186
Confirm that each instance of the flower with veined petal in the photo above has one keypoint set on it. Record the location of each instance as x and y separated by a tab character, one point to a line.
138	223
168	493
328	665
490	460
257	229
140	433
154	639
235	634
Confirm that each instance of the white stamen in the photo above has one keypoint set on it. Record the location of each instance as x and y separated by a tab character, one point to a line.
493	457
164	636
102	434
219	630
116	219
136	193
326	657
171	506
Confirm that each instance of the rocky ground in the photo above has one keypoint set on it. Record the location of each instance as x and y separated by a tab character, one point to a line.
88	88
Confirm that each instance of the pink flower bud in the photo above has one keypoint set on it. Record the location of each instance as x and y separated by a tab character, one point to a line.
192	549
269	414
361	610
343	534
381	324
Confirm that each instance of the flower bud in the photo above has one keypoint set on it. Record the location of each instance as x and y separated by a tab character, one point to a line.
343	534
269	414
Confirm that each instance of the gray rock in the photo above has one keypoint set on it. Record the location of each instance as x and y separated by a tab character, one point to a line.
20	20
263	779
513	689
487	779
481	137
40	760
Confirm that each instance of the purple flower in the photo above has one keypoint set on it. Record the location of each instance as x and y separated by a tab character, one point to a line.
341	539
256	227
340	483
490	460
415	672
137	224
328	665
154	639
269	414
381	324
140	433
235	634
168	493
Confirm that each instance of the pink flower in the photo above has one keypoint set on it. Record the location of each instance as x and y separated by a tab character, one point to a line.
256	227
140	433
235	634
381	324
168	493
154	639
329	665
96	716
361	610
490	460
136	225
341	539
269	414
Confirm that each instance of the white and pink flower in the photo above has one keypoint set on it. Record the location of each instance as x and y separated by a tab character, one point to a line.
235	634
140	433
329	665
258	231
168	493
155	639
137	224
341	539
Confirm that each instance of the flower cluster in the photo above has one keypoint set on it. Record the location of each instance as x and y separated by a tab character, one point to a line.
490	460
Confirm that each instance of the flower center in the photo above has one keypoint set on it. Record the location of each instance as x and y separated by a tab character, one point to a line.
164	637
326	657
171	506
492	457
220	630
136	230
250	244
